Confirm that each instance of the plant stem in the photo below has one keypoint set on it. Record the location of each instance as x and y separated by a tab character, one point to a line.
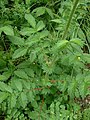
70	18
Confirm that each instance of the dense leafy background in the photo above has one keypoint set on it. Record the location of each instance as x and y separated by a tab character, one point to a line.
42	76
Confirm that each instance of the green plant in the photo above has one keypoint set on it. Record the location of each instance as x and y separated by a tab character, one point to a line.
41	75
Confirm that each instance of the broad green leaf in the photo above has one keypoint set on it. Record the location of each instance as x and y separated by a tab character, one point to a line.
23	99
30	19
30	96
5	87
34	104
3	96
32	56
77	41
49	11
8	89
7	74
24	64
40	25
21	73
26	84
29	72
18	84
32	40
19	52
39	11
27	31
16	40
60	44
12	101
8	30
44	33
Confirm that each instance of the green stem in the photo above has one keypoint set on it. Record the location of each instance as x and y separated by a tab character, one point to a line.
70	18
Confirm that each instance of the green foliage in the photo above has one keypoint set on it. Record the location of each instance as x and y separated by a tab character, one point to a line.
43	76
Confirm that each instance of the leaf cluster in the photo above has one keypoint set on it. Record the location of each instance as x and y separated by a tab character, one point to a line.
43	76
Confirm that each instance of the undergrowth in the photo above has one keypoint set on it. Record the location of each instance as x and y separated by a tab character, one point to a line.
45	60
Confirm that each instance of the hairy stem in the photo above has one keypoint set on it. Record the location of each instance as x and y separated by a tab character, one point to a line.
70	18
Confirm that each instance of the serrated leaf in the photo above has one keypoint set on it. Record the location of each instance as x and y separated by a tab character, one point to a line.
44	33
26	84
30	96
23	99
7	74
19	52
32	56
21	73
40	25
39	11
12	101
60	44
18	84
27	31
8	30
5	87
3	96
30	19
29	72
30	41
49	11
16	40
24	64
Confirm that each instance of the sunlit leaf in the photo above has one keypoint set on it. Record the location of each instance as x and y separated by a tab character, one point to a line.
39	11
30	19
40	25
8	30
56	20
